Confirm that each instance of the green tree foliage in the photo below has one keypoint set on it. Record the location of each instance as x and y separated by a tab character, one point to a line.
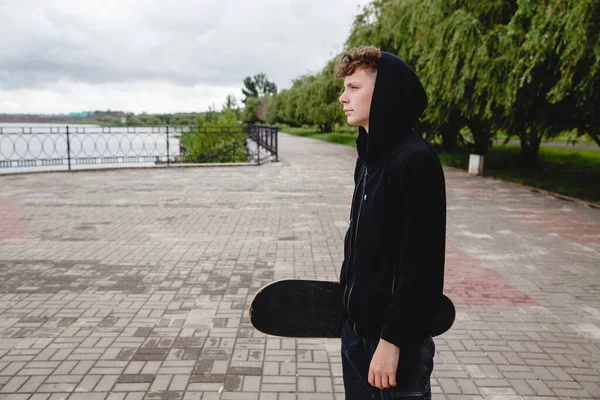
178	119
441	40
322	100
183	119
133	120
228	118
553	85
258	86
312	100
250	110
213	119
143	120
259	93
232	104
289	103
527	67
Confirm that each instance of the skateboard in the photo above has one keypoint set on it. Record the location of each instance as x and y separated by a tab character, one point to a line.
310	308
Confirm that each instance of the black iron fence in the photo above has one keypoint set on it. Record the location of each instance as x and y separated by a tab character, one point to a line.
69	148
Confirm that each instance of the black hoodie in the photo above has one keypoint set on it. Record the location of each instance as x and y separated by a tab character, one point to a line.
393	271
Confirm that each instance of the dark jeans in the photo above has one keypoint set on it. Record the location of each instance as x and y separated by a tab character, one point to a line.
412	376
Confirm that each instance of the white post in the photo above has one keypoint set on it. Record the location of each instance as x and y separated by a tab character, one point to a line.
475	164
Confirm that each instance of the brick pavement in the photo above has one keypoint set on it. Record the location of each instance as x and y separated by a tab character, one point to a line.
135	284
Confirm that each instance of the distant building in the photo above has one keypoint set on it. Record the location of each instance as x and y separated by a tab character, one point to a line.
83	114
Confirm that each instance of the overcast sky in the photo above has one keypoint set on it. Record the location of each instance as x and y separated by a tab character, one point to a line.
60	56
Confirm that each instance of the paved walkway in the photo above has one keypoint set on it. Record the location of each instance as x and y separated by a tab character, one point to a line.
135	284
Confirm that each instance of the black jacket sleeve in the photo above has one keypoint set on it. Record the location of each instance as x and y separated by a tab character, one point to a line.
417	246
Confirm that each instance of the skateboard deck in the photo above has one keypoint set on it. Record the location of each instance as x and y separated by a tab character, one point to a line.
311	308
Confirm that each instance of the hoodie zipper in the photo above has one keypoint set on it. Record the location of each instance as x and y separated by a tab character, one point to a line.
364	197
351	220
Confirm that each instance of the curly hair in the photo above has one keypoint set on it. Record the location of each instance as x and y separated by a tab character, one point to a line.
360	57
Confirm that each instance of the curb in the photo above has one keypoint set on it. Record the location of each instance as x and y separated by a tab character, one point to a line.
141	167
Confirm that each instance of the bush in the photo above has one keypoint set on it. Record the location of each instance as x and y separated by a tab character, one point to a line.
215	144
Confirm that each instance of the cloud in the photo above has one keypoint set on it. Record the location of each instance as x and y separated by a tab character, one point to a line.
140	96
180	44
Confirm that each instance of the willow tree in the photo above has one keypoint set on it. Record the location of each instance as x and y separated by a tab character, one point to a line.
445	42
322	99
554	83
527	67
458	46
287	106
312	99
281	108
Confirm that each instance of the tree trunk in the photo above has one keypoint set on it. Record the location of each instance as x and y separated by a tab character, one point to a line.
451	131
449	137
325	128
481	136
530	147
595	137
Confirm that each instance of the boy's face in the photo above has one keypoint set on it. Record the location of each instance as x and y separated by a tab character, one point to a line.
356	98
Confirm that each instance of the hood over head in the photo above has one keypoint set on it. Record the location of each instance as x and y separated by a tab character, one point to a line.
398	101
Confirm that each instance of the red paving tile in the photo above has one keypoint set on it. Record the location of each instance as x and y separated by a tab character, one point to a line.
10	221
562	223
468	282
